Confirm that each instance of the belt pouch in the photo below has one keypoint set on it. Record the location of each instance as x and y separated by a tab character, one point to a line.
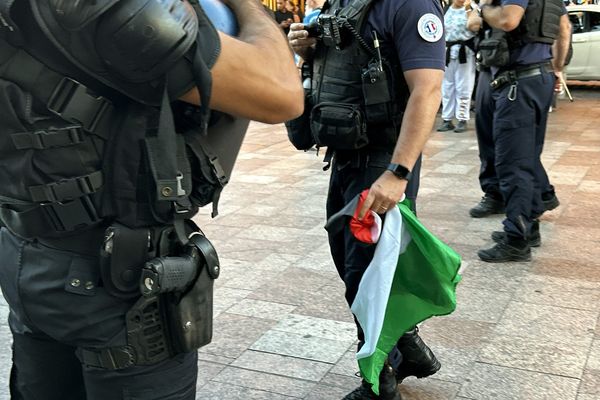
339	126
376	93
123	254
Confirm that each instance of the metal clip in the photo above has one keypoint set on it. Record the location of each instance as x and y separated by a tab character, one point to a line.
180	191
512	92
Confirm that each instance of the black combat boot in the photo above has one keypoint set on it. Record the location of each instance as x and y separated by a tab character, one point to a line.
388	388
417	358
511	249
550	201
487	206
534	239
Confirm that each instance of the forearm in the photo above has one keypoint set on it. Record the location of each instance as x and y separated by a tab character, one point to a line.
560	48
255	76
506	18
419	117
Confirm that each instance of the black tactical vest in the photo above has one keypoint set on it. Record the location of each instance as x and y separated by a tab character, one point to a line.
83	143
353	87
540	24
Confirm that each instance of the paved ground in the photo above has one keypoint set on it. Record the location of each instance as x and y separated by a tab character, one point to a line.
521	331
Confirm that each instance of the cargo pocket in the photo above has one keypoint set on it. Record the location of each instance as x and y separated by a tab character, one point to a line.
339	126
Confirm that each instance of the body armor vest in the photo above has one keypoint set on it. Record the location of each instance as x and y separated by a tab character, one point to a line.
87	136
540	24
356	94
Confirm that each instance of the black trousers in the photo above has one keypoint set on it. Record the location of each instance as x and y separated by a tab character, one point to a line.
484	123
56	306
348	179
519	129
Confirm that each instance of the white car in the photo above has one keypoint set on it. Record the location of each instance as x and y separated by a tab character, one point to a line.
585	64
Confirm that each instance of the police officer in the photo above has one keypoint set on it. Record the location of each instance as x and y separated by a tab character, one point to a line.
96	186
380	62
515	114
492	201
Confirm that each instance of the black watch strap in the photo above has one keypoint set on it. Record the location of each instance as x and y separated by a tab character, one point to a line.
400	171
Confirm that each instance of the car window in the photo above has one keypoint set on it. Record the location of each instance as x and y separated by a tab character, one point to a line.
594	21
577	22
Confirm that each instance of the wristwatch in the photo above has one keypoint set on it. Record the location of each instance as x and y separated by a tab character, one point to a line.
400	171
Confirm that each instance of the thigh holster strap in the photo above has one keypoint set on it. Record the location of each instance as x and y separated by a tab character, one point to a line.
109	358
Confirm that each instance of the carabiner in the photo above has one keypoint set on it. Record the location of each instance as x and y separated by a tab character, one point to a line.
512	92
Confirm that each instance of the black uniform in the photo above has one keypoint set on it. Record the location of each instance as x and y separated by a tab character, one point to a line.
355	106
516	115
94	183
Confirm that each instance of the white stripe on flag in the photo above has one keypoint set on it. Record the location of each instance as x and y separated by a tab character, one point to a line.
374	289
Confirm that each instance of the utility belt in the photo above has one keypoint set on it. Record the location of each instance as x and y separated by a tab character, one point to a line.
510	77
173	284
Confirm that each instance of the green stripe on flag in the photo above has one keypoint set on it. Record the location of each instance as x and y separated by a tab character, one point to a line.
424	286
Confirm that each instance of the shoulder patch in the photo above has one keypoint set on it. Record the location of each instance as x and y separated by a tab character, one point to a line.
430	27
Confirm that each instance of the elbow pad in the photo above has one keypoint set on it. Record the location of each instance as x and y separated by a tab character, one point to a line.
143	39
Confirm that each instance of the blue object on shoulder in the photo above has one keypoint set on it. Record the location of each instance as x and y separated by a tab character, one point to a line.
221	16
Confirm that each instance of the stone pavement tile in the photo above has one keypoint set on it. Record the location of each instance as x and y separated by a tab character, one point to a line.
458	169
582	211
571	293
319	327
234	334
207	371
570	175
590	385
327	302
578	233
567	269
597	331
450	332
214	359
593	173
221	391
225	297
294	286
487	276
428	389
532	354
457	363
301	346
281	365
347	365
589	186
487	382
594	357
277	261
346	382
326	392
577	159
547	323
268	382
479	304
261	309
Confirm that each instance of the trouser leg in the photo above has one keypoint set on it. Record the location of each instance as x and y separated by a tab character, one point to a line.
484	124
545	187
44	369
464	83
515	130
449	91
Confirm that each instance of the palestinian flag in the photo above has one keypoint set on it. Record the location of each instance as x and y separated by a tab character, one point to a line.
412	277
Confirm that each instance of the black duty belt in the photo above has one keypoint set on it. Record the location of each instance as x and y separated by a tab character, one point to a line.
513	75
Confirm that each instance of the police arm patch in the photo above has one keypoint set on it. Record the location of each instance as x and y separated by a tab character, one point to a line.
430	27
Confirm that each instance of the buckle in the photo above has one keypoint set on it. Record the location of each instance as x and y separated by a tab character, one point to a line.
218	170
71	215
74	102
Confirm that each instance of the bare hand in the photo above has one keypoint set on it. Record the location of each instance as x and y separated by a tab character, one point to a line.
559	81
299	40
384	194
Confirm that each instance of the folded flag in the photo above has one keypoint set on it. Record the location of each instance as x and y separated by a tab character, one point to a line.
412	277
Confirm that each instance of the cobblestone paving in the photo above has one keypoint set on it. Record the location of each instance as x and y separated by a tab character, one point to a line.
521	330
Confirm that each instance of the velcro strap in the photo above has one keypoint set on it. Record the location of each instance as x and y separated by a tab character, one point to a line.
42	139
67	189
50	220
110	358
74	102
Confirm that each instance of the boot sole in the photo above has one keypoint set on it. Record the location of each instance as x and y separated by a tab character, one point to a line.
532	243
419	373
484	214
496	260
